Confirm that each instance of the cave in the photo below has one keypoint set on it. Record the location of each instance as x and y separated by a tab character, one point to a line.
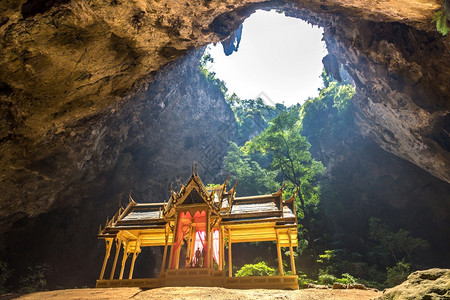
100	98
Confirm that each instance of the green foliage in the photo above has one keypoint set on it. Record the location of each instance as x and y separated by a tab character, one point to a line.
252	116
399	243
329	279
303	279
253	180
36	280
326	279
204	67
398	273
441	22
347	279
327	261
331	112
327	256
5	273
212	185
258	269
289	153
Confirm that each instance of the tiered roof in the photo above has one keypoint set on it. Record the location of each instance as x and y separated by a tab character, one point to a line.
222	203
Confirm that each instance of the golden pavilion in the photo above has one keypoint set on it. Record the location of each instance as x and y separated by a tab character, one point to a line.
194	227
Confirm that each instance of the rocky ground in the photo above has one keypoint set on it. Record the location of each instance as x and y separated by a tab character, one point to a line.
427	284
203	293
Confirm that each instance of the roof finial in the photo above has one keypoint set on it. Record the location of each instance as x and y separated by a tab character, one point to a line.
171	188
131	198
196	165
234	186
180	183
226	181
193	168
280	191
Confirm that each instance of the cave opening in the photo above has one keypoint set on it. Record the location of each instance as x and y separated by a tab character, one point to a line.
270	56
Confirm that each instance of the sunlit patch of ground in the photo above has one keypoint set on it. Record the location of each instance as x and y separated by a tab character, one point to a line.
186	293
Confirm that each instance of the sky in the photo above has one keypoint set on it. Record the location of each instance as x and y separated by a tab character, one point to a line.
279	59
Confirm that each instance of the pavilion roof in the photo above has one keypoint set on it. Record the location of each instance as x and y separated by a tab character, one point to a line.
231	209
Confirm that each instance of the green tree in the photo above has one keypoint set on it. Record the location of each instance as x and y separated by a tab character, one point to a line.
252	116
290	155
399	244
5	273
330	113
397	274
205	67
36	280
253	179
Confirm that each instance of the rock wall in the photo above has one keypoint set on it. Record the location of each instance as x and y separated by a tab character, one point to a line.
404	108
150	142
65	65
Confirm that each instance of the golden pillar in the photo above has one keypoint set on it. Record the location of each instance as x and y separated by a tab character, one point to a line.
208	235
174	234
116	256
221	248
163	265
177	255
291	252
135	254
230	263
280	259
108	243
124	259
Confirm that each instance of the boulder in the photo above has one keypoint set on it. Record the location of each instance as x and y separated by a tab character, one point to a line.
339	286
428	284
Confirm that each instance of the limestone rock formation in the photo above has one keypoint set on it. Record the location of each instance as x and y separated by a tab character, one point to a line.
427	284
142	148
65	64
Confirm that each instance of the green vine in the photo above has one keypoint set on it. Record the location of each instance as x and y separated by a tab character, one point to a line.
441	22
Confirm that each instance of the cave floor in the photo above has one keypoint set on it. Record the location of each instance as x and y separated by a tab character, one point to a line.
203	293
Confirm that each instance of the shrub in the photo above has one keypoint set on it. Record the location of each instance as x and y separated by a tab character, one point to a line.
398	273
347	279
36	280
441	22
259	269
327	279
4	275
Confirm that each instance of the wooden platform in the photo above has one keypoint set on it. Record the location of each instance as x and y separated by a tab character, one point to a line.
205	277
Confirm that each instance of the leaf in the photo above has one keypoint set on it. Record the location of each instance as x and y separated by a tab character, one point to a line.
441	22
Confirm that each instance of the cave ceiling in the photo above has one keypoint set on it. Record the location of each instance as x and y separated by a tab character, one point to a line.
67	65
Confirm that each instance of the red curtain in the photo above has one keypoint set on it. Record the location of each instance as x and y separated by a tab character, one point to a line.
200	244
184	221
200	237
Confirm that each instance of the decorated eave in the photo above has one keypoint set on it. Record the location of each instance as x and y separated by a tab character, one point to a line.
134	216
212	197
269	208
222	203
